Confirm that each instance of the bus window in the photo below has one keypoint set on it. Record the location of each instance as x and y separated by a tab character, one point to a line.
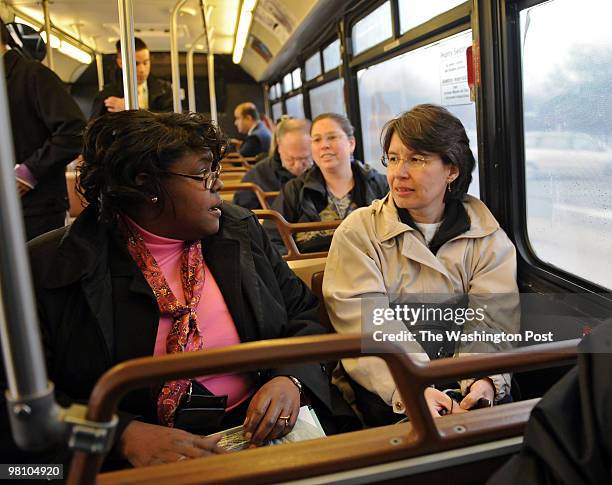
287	86
416	12
296	75
331	56
436	73
277	111
328	97
372	29
295	106
567	73
313	66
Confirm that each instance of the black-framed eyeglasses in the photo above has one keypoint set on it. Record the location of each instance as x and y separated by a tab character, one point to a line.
208	179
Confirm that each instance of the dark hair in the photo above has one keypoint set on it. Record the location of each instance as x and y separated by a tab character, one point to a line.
434	129
4	34
343	121
139	45
117	147
250	111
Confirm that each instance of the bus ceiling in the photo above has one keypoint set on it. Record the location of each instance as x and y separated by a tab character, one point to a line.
264	36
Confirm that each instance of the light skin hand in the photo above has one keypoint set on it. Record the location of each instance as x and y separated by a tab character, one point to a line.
22	188
114	104
278	397
145	444
438	401
482	388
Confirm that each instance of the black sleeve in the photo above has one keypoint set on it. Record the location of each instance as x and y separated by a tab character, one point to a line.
568	438
251	146
247	198
98	108
302	309
63	119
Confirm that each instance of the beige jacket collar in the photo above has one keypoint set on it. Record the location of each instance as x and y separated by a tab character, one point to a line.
482	222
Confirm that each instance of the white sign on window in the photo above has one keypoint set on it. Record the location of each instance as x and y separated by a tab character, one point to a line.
454	89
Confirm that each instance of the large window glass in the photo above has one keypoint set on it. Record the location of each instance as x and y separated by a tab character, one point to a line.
272	92
436	73
313	67
416	12
331	55
279	90
296	75
277	111
287	87
328	97
372	29
567	74
295	106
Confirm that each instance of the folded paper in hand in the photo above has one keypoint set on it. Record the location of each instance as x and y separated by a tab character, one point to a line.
307	427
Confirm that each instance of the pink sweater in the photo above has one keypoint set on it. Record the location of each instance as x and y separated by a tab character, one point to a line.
215	322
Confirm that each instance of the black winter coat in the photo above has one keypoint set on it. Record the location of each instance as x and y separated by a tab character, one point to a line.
160	96
568	439
269	174
97	310
304	197
47	128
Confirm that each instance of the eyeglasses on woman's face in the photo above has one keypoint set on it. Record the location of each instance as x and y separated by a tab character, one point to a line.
208	178
415	161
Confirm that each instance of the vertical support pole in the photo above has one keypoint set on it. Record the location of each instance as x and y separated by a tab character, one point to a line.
191	73
50	59
211	85
128	54
30	404
174	57
100	69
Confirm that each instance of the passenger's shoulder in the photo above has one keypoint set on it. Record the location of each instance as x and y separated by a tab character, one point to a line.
43	249
234	213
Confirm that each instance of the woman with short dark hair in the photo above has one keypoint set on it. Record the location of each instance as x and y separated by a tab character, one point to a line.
426	237
157	265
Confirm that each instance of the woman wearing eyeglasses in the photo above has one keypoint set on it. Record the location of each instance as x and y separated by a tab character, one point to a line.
426	237
331	189
157	265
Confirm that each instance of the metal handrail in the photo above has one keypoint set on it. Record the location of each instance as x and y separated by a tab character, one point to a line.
128	53
174	58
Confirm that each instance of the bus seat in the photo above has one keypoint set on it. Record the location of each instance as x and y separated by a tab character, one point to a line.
75	200
421	448
305	268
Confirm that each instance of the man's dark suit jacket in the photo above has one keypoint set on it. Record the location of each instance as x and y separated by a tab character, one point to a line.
257	142
47	127
160	96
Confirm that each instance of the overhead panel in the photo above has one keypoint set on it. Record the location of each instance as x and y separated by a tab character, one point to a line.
274	23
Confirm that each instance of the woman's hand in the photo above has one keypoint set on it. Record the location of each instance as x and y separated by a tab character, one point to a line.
276	398
145	444
482	388
441	404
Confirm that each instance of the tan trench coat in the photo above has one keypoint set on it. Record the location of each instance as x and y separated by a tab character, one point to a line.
375	256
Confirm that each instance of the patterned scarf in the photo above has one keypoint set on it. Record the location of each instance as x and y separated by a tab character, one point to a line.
185	332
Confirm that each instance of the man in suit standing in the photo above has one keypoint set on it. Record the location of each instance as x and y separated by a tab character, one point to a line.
248	123
47	126
153	94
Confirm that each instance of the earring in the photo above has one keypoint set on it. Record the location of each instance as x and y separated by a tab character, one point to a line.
154	200
448	186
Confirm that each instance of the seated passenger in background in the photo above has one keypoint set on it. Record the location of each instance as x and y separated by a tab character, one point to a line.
291	157
258	137
157	265
426	236
334	187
